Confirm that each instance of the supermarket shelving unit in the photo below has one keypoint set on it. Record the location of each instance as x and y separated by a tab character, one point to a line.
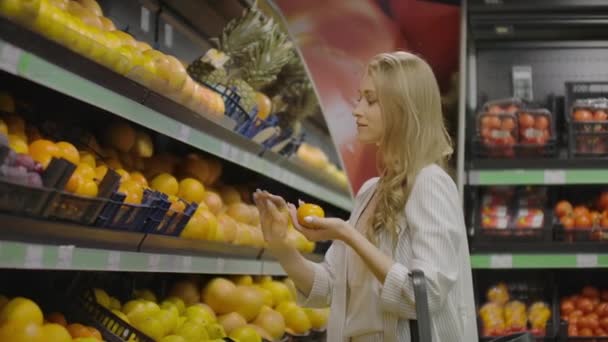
27	243
562	41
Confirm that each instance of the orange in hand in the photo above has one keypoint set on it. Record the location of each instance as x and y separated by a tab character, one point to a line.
308	209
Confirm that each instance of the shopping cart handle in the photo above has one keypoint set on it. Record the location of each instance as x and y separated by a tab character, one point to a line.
520	337
421	330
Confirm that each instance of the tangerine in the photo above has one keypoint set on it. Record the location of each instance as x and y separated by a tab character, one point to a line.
43	151
68	152
308	209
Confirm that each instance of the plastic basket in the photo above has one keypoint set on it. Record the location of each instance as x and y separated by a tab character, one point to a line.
520	216
125	216
112	328
80	209
165	221
22	199
589	138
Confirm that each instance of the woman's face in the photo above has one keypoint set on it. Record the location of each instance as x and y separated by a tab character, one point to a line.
367	113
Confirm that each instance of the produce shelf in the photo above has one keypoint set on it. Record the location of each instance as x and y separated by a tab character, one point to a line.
37	59
21	255
540	260
538	177
37	244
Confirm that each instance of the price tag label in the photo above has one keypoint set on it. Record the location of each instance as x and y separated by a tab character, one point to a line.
501	261
64	257
221	265
231	153
9	58
33	256
153	262
184	133
586	260
168	35
113	261
555	177
187	263
145	19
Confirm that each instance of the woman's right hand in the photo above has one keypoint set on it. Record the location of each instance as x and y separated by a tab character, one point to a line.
274	220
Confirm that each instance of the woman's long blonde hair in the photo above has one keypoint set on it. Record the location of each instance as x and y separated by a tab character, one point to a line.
414	135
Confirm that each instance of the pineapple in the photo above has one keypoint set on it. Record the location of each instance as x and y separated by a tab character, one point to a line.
245	91
257	50
266	59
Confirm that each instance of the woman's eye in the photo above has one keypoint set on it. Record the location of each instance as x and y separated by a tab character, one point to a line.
371	101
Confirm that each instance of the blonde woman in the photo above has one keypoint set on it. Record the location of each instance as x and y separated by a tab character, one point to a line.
408	218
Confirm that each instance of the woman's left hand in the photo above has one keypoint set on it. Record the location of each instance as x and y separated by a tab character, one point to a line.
320	229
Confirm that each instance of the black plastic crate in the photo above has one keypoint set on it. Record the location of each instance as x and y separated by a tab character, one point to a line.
22	199
570	284
84	308
497	228
527	287
125	216
74	208
568	230
589	138
166	221
177	39
137	17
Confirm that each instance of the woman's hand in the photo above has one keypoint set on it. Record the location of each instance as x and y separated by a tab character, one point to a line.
273	219
321	229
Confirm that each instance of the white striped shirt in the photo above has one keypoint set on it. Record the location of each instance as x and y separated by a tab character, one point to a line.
432	238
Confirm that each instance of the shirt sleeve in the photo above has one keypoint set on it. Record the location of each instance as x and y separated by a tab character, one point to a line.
434	218
320	293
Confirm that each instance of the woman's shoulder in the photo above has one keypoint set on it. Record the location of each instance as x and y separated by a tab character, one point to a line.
433	177
367	186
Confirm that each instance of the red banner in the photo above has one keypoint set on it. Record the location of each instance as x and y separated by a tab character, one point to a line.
337	38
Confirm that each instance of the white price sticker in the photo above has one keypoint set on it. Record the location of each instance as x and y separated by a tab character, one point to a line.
9	58
145	19
501	261
64	257
168	35
33	256
230	152
187	263
113	261
555	177
586	260
184	133
221	265
153	262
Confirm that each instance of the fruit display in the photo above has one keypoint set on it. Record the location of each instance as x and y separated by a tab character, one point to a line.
315	158
586	312
589	126
239	307
509	127
22	320
251	51
221	213
81	26
502	314
508	211
584	220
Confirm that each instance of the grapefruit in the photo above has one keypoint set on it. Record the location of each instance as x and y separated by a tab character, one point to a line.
245	334
249	301
272	322
21	311
187	291
220	295
231	322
